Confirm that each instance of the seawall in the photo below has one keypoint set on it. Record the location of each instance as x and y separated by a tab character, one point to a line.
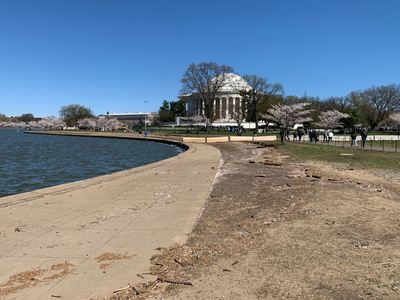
60	235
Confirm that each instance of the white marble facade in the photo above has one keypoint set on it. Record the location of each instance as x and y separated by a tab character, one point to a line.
227	101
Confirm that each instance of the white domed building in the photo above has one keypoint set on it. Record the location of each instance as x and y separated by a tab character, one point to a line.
227	100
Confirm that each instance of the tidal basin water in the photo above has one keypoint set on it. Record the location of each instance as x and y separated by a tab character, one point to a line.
33	161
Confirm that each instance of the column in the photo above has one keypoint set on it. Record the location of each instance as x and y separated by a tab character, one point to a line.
230	107
227	108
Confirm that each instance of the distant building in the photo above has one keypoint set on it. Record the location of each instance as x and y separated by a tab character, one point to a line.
227	99
133	118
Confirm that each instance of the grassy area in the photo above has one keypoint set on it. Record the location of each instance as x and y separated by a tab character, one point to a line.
359	158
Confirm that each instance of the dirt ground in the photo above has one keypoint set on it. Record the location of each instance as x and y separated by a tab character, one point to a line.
275	229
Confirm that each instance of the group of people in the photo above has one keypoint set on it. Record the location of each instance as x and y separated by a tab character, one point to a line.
313	136
363	133
297	134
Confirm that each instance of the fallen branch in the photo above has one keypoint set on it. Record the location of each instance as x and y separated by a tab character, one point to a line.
135	290
178	262
272	164
122	289
173	281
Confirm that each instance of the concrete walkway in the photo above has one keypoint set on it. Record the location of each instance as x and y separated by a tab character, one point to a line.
86	239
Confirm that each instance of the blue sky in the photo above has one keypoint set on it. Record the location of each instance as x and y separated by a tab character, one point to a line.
115	55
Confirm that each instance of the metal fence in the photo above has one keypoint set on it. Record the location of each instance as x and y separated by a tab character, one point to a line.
373	142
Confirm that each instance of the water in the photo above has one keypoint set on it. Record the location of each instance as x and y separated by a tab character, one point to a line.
31	161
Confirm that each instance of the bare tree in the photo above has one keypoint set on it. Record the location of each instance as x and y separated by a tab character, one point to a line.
331	119
260	90
377	103
337	103
288	115
203	81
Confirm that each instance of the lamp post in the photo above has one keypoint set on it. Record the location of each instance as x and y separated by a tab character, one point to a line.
145	114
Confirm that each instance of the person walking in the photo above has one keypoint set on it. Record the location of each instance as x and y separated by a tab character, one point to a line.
325	136
295	133
301	133
330	135
364	135
354	139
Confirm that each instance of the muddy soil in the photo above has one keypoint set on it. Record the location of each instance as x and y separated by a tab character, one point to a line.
274	229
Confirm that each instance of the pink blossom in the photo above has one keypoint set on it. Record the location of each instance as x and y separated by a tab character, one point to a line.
396	117
330	119
288	115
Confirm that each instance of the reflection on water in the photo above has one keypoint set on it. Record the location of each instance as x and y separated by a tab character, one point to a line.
31	161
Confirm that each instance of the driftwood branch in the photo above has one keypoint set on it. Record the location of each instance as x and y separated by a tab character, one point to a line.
155	256
178	262
122	289
135	290
149	273
173	281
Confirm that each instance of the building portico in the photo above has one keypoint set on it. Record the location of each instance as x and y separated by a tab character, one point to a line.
227	100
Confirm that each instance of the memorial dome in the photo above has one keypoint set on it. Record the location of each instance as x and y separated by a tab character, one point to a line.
234	83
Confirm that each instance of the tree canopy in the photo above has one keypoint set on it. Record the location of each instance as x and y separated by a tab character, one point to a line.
289	115
26	117
331	119
74	112
178	108
3	118
206	80
377	103
260	91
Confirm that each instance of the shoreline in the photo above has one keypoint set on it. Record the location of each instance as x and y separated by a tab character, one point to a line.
123	135
181	147
124	216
